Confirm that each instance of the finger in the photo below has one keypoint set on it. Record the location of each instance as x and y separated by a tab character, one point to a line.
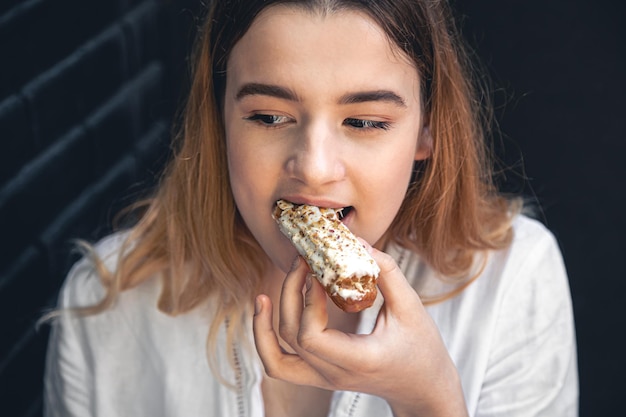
291	301
314	315
392	283
330	351
277	363
303	322
265	337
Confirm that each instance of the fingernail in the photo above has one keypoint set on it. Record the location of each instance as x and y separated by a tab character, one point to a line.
257	306
308	282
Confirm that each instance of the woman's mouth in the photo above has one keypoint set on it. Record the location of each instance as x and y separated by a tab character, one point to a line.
342	213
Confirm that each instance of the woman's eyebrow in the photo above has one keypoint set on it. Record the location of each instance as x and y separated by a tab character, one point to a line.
376	95
251	89
284	93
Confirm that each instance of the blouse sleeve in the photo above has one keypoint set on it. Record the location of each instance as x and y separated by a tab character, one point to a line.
69	388
532	365
67	379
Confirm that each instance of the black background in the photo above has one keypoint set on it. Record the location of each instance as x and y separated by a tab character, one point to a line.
558	74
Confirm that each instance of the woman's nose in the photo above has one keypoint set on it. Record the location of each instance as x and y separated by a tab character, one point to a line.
316	159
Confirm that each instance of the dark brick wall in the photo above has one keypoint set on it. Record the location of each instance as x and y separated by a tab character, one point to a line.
87	94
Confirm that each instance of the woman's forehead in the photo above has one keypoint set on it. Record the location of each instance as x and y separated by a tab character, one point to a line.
345	47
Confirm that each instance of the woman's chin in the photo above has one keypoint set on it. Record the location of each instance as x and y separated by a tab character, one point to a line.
283	259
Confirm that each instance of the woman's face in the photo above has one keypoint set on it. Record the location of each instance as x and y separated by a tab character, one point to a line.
320	109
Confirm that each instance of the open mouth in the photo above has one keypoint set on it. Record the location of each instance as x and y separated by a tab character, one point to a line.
343	212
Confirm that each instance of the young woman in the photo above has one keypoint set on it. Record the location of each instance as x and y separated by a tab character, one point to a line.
203	307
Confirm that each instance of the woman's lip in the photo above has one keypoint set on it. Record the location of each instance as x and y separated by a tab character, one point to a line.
314	202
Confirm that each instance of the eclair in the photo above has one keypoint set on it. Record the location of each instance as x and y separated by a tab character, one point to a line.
336	258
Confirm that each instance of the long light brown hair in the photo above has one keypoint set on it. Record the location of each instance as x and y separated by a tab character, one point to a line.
191	235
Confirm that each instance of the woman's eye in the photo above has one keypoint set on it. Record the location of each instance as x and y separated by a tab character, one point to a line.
367	124
269	119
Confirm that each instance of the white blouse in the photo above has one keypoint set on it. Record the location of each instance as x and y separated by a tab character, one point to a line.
510	334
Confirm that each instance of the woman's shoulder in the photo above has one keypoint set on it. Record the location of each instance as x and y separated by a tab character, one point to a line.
83	285
533	243
529	272
528	229
533	252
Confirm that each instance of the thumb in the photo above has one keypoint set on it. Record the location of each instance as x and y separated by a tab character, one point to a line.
392	283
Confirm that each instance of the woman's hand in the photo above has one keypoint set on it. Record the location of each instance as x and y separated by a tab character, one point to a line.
403	360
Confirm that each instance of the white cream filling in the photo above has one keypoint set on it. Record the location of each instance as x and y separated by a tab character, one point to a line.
332	250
